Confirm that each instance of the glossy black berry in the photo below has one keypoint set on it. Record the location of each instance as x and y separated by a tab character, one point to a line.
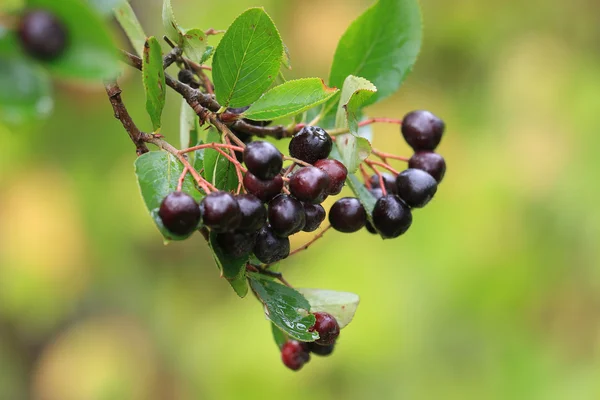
221	212
416	187
264	190
320	350
430	162
377	193
337	173
269	247
236	244
391	216
422	130
185	76
327	327
42	35
315	214
263	159
254	213
286	215
309	184
179	213
310	144
389	181
294	355
347	215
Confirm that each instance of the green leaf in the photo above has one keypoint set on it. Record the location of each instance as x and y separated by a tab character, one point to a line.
172	30
278	335
233	269
158	174
355	93
132	27
342	305
247	59
153	76
286	60
353	150
362	193
381	45
290	98
26	91
91	52
218	169
285	307
194	44
207	54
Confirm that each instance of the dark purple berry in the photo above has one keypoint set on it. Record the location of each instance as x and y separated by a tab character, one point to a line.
236	244
294	355
221	212
391	216
416	187
347	215
254	213
42	35
369	227
389	182
315	214
422	130
327	327
337	174
269	247
309	184
286	215
320	350
179	213
264	190
263	159
377	193
310	144
185	76
430	162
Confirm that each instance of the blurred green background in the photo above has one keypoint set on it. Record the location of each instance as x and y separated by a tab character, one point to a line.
494	293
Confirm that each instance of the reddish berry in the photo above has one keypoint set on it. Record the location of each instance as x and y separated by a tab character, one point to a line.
327	327
337	174
264	190
309	184
294	355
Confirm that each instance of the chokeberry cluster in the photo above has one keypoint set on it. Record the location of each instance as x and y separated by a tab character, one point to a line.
279	200
295	354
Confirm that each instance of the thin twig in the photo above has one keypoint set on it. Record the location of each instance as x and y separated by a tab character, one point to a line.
137	137
309	243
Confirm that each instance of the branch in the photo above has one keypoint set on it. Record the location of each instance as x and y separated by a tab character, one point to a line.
137	137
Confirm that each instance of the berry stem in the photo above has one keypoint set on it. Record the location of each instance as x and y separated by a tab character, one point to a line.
370	121
385	156
365	175
237	166
295	160
309	243
381	181
181	179
289	170
211	146
372	163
